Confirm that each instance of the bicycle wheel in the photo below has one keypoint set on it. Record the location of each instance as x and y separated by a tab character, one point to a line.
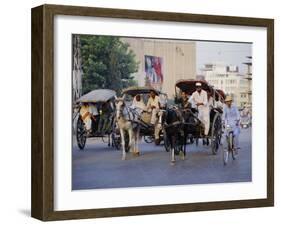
225	156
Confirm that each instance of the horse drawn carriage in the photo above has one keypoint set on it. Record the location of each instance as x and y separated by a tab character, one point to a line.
147	129
95	116
134	117
193	127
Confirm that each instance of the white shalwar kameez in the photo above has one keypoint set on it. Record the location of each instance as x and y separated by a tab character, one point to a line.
203	110
153	102
139	105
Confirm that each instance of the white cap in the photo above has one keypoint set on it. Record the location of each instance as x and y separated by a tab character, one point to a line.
198	84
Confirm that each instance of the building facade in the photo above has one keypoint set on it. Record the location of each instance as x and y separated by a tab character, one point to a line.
248	77
163	62
228	79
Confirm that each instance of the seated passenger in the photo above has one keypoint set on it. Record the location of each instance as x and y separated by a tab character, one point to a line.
86	116
138	103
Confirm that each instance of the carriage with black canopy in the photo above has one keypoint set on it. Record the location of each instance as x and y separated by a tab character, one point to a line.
96	110
194	128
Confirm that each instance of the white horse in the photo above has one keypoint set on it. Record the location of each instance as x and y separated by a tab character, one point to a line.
125	124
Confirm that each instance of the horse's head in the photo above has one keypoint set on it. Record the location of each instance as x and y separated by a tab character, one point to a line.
171	115
120	104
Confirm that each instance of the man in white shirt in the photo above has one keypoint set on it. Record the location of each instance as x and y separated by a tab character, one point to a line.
153	106
200	99
93	110
138	103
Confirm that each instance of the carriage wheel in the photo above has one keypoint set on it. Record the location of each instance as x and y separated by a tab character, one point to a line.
148	139
116	140
216	133
81	134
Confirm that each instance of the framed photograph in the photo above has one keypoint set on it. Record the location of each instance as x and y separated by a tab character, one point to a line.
141	112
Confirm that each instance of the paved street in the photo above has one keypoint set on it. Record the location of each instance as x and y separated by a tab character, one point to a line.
99	166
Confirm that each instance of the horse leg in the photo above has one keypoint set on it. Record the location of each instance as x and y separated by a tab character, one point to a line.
108	144
131	140
184	144
123	144
137	134
173	159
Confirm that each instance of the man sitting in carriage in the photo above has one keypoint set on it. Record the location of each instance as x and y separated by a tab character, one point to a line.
88	112
138	104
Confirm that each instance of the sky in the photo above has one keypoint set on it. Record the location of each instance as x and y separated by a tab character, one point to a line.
224	52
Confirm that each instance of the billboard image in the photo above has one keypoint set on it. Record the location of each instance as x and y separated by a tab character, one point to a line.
153	69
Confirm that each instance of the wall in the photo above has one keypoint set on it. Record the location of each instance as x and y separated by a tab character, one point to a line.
15	112
178	60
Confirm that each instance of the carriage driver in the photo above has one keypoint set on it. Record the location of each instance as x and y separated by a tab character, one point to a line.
153	106
184	100
200	99
231	116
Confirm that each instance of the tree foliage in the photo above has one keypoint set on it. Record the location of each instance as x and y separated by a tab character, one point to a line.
107	63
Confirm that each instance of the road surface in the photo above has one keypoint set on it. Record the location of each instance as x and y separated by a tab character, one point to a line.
100	166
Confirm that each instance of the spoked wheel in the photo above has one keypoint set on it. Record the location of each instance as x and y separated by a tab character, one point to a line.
116	140
115	135
81	134
216	134
148	139
104	138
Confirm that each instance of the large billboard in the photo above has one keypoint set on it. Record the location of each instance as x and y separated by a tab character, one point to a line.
153	70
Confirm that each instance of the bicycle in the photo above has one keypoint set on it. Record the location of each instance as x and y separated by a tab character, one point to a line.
230	145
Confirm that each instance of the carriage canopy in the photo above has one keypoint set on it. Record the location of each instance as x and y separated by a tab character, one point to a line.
134	90
220	95
98	95
188	85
